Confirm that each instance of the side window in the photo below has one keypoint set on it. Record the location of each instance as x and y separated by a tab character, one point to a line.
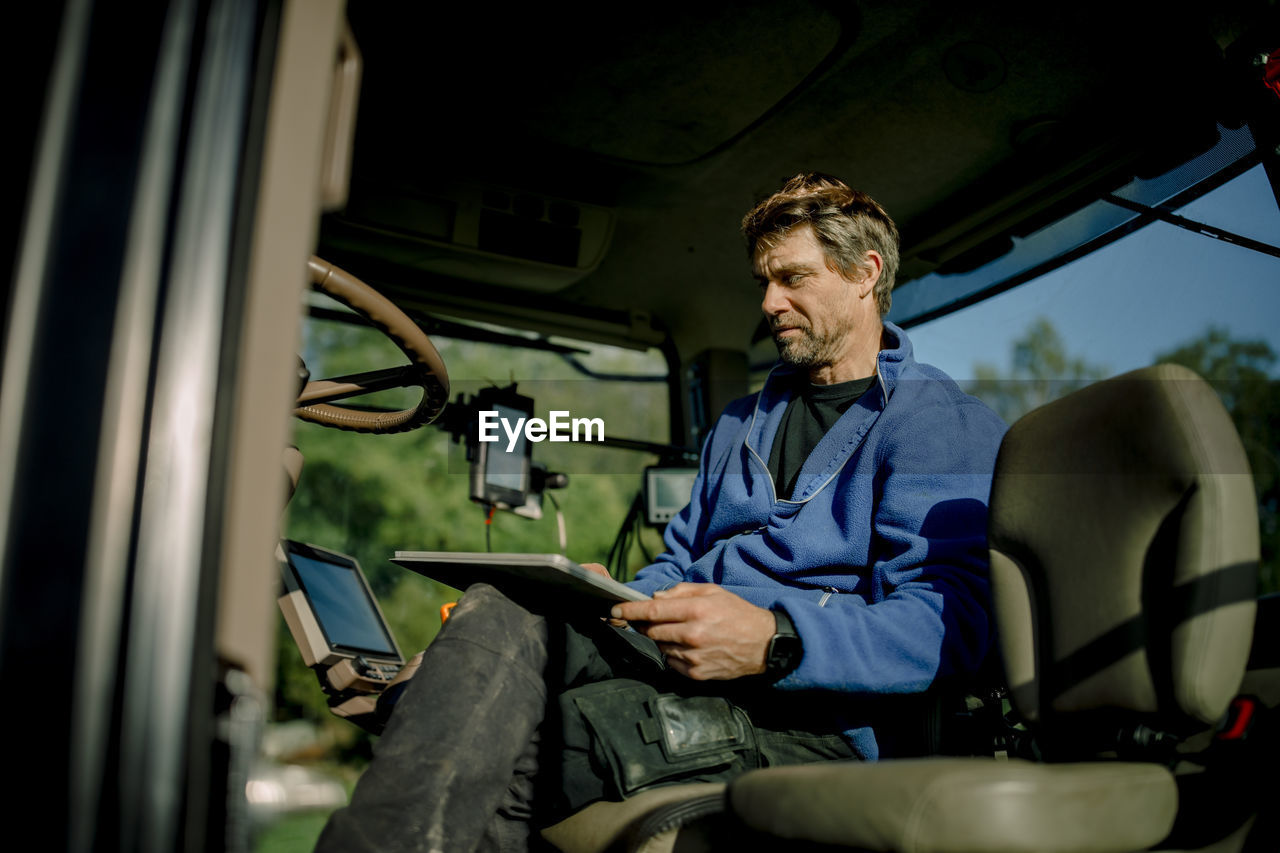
1159	294
370	495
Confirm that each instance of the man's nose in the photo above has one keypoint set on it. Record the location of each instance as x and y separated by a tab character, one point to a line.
774	301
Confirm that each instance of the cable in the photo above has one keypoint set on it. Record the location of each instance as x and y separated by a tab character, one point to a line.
564	539
616	561
648	558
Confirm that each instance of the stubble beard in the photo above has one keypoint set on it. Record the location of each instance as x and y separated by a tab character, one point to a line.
809	349
800	350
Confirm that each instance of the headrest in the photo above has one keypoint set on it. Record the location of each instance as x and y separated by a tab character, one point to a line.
1124	552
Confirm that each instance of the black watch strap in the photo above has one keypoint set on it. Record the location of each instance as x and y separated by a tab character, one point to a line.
785	651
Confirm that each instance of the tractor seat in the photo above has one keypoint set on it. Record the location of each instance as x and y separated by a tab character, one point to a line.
1124	551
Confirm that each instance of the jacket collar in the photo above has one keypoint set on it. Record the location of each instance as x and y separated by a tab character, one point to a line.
838	444
895	355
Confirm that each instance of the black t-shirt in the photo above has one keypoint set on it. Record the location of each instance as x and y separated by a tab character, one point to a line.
813	410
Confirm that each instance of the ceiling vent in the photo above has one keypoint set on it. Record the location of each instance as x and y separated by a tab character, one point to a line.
483	233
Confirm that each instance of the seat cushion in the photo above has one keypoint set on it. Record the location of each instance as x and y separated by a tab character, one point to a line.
961	805
600	826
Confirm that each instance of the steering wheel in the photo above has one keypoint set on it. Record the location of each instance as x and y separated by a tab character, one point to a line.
425	369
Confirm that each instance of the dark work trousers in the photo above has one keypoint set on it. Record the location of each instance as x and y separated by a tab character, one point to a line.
459	768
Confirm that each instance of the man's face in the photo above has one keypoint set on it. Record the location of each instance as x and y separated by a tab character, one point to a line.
812	310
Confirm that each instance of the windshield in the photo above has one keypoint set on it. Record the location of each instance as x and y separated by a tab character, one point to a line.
369	496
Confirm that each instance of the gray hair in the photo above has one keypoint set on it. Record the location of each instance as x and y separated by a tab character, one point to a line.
846	222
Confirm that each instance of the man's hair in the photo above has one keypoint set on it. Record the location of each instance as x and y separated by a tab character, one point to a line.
846	222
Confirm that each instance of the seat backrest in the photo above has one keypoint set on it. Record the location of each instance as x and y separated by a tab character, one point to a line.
1124	552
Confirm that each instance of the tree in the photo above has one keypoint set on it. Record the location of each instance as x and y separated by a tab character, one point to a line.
1042	372
1241	372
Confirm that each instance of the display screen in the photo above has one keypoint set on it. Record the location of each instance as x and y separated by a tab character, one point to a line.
672	489
668	492
507	469
342	605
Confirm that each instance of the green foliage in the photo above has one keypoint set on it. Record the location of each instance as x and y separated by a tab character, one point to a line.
1042	372
1239	370
1241	373
293	834
369	496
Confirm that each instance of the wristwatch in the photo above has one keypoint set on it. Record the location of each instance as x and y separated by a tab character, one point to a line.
784	651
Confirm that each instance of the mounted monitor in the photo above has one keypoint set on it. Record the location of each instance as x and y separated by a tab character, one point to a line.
666	492
335	619
502	467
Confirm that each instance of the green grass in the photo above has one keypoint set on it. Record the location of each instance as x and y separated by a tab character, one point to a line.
292	834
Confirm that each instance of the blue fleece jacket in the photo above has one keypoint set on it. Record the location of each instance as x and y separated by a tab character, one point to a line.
880	558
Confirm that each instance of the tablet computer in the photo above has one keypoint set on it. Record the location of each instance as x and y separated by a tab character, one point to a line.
550	580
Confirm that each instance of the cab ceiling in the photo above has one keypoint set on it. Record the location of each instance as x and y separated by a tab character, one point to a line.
967	122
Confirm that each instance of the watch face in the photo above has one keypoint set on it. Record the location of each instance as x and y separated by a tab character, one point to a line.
784	654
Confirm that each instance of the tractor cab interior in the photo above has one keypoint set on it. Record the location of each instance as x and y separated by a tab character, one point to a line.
270	216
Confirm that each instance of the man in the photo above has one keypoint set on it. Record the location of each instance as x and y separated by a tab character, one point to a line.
833	554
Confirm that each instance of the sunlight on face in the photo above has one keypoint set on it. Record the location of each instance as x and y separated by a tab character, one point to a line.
811	309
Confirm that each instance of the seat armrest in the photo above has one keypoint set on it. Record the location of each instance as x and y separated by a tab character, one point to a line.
602	825
1262	677
958	805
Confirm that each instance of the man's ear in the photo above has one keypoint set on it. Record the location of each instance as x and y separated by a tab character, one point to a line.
872	267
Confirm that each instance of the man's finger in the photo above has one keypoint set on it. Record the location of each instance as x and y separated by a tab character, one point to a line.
654	610
667	632
689	590
597	568
679	666
672	650
634	611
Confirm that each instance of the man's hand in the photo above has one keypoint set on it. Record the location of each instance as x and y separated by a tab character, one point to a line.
705	631
601	570
597	568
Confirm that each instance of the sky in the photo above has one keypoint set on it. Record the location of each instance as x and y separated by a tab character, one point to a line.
1146	293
